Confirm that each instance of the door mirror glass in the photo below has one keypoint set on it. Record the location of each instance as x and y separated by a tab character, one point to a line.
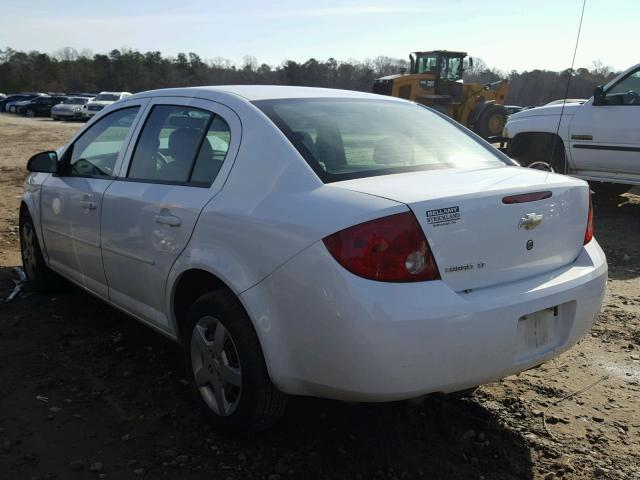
598	95
44	162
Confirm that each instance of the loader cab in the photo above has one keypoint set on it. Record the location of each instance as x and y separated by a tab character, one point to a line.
442	64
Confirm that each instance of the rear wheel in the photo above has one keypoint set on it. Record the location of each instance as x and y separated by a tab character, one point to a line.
226	367
491	121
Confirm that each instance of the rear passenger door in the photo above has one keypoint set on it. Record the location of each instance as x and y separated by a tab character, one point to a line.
182	155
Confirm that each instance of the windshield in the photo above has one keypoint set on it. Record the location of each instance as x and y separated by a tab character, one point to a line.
112	97
351	138
75	101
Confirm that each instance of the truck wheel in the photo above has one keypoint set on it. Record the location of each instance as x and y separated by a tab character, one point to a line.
491	121
226	367
608	191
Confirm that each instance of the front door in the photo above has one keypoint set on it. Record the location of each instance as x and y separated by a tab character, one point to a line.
606	137
176	166
72	200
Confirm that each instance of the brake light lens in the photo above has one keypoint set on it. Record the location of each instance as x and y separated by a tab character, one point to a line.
388	249
588	234
526	197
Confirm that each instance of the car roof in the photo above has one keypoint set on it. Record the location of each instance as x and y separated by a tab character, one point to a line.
260	92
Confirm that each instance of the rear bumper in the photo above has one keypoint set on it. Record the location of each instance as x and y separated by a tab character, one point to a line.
328	333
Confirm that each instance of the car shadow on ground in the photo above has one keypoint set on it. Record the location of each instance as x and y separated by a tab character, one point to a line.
115	393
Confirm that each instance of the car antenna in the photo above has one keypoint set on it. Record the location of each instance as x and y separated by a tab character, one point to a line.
566	93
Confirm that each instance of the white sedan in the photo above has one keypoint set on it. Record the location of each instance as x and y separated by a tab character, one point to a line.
304	241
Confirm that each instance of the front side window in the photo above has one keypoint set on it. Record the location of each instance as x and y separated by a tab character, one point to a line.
96	151
625	92
181	145
343	139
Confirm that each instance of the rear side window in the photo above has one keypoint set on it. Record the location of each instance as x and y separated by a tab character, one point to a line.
181	145
212	153
351	138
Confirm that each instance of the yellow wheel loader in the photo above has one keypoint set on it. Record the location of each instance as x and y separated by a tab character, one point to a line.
435	80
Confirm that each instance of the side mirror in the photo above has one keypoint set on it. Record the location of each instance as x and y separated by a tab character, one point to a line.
471	62
598	95
44	162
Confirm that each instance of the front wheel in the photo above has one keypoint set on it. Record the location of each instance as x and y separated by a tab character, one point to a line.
226	367
39	276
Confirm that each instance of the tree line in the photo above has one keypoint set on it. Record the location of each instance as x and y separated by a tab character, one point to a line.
130	70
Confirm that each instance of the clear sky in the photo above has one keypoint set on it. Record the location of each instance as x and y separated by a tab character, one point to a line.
507	34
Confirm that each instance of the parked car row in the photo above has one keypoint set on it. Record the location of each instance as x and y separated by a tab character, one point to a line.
58	106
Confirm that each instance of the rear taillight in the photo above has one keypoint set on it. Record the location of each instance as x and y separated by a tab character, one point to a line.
388	249
588	234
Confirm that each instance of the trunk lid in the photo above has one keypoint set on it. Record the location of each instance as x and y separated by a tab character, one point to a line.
477	239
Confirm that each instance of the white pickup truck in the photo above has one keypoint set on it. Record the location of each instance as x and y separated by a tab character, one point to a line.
598	140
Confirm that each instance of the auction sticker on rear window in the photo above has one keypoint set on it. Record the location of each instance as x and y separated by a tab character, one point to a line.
443	216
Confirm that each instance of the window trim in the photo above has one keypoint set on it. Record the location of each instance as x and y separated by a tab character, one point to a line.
188	183
65	162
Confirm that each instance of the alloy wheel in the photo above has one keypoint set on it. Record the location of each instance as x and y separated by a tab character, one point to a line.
216	366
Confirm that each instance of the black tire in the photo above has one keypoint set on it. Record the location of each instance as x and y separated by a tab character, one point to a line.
54	118
607	191
30	113
491	121
39	276
258	404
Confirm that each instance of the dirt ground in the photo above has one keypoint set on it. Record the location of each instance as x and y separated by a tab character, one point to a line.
86	392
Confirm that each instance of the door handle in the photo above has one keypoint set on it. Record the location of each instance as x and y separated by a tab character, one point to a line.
88	204
170	220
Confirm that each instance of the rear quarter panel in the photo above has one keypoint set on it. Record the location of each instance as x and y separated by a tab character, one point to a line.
271	207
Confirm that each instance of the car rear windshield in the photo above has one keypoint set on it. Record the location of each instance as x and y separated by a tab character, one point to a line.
343	139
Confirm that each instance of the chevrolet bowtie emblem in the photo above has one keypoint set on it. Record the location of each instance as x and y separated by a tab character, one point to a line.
530	221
